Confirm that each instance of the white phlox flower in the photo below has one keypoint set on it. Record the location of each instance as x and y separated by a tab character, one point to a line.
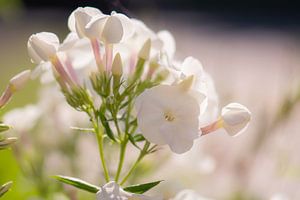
112	191
20	123
204	84
92	23
168	114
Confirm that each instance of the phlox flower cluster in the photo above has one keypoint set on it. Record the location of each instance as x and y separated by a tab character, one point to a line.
126	78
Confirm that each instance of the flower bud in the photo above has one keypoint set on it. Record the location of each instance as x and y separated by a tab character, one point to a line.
144	53
42	46
117	67
18	81
15	84
235	118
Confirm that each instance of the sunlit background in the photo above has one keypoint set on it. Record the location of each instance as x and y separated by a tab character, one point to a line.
250	48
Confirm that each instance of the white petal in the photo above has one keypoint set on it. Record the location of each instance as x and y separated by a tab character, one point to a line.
95	27
128	26
192	66
35	58
150	120
113	30
179	146
69	41
168	40
236	118
88	10
43	44
81	20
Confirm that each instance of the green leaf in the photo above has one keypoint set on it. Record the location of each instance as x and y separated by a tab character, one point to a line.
3	127
105	124
141	188
89	130
77	183
5	188
131	139
139	138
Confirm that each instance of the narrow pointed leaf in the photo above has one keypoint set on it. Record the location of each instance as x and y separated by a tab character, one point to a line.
106	126
89	130
141	188
131	139
3	127
139	138
80	184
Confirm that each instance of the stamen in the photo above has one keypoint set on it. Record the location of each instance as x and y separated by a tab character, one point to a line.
169	117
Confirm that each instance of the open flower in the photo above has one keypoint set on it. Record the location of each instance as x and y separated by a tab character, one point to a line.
168	114
112	191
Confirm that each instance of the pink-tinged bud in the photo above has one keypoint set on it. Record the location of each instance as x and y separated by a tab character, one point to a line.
18	81
4	99
15	84
42	46
234	119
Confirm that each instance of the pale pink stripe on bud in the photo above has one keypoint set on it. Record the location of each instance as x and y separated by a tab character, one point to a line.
15	84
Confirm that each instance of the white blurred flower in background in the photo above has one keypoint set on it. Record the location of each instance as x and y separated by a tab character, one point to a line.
189	195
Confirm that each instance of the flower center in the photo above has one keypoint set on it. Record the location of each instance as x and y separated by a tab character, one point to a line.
169	116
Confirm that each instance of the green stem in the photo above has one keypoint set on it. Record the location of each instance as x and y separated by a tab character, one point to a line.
99	136
142	154
121	160
117	125
134	166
